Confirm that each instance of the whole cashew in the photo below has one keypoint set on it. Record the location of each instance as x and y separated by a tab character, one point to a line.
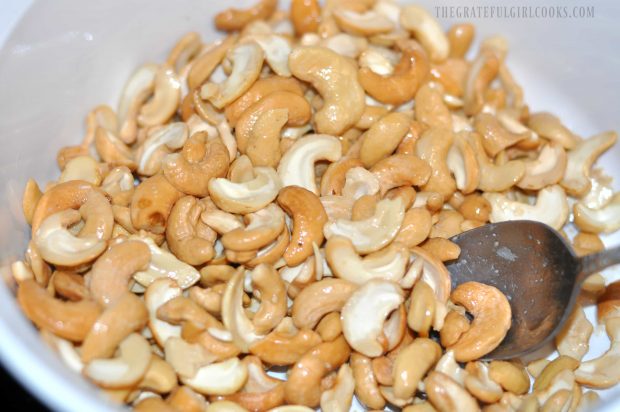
492	317
401	170
188	237
236	19
319	299
412	363
152	203
335	78
69	320
383	137
303	386
308	219
366	386
433	147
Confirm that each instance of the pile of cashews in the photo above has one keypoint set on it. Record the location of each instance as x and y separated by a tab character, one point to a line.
282	200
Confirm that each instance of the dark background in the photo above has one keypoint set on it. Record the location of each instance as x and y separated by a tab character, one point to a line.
15	397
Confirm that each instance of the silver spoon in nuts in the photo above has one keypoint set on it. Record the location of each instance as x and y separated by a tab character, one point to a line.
537	270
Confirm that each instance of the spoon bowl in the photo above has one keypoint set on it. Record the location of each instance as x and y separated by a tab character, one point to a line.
537	270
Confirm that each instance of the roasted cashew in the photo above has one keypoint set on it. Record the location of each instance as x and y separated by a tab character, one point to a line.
495	137
68	320
366	386
264	146
602	372
83	168
308	219
548	126
510	375
187	236
335	78
152	203
603	220
461	161
126	315
111	273
430	107
481	73
371	234
492	314
112	150
221	378
246	197
388	263
421	312
201	159
305	16
479	384
433	147
263	227
573	339
401	170
365	312
319	299
362	24
401	86
340	396
158	293
273	305
303	384
383	137
460	37
166	98
158	144
236	19
427	30
118	184
447	395
411	364
137	89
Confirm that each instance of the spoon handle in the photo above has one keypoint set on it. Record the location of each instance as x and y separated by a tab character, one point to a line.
598	261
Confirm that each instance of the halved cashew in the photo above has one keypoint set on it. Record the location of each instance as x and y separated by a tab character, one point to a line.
433	147
362	24
82	168
151	204
461	161
481	73
402	85
111	273
137	89
221	378
551	207
340	396
158	144
201	160
447	395
359	182
576	180
188	237
427	30
430	108
297	164
165	100
305	16
344	44
320	298
261	391
248	126
401	170
411	365
58	246
479	384
389	263
495	137
273	303
125	370
383	138
248	196
415	228
603	220
460	37
492	317
118	184
236	19
276	48
303	386
494	178
309	217
364	315
547	169
69	320
550	127
164	264
264	145
511	375
366	386
263	227
185	49
112	150
421	308
602	372
234	317
371	234
128	314
286	344
30	199
573	340
247	62
156	295
335	78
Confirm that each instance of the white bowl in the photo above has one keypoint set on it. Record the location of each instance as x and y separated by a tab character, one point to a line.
66	56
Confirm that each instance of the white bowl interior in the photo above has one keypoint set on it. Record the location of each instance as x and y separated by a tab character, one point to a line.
64	57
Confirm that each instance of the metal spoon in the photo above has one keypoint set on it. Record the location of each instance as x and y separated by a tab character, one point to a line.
537	271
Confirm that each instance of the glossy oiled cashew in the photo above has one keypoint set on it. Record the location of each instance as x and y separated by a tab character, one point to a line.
603	220
137	89
479	384
411	365
401	170
602	372
111	273
118	184
481	73
221	378
402	84
165	100
551	207
247	61
236	19
68	195
248	196
262	227
495	137
371	234
389	263
340	396
427	30
433	147
511	375
335	78
273	306
550	127
112	150
430	108
158	144
362	24
264	145
421	308
303	386
455	324
152	203
82	168
365	313
383	138
201	160
460	37
297	164
415	228
125	316
547	169
187	236
308	219
156	295
286	344
576	180
319	299
366	386
30	199
492	314
125	370
69	320
305	16
573	340
447	395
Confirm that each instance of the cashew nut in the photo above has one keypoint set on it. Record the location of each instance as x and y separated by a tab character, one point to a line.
447	395
248	196
411	364
157	294
401	170
603	220
362	24
158	144
187	236
340	396
236	19
165	100
427	30
548	126
152	203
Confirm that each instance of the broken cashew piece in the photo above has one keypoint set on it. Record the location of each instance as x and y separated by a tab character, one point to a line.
603	220
221	378
166	98
547	169
340	396
447	395
427	30
236	19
